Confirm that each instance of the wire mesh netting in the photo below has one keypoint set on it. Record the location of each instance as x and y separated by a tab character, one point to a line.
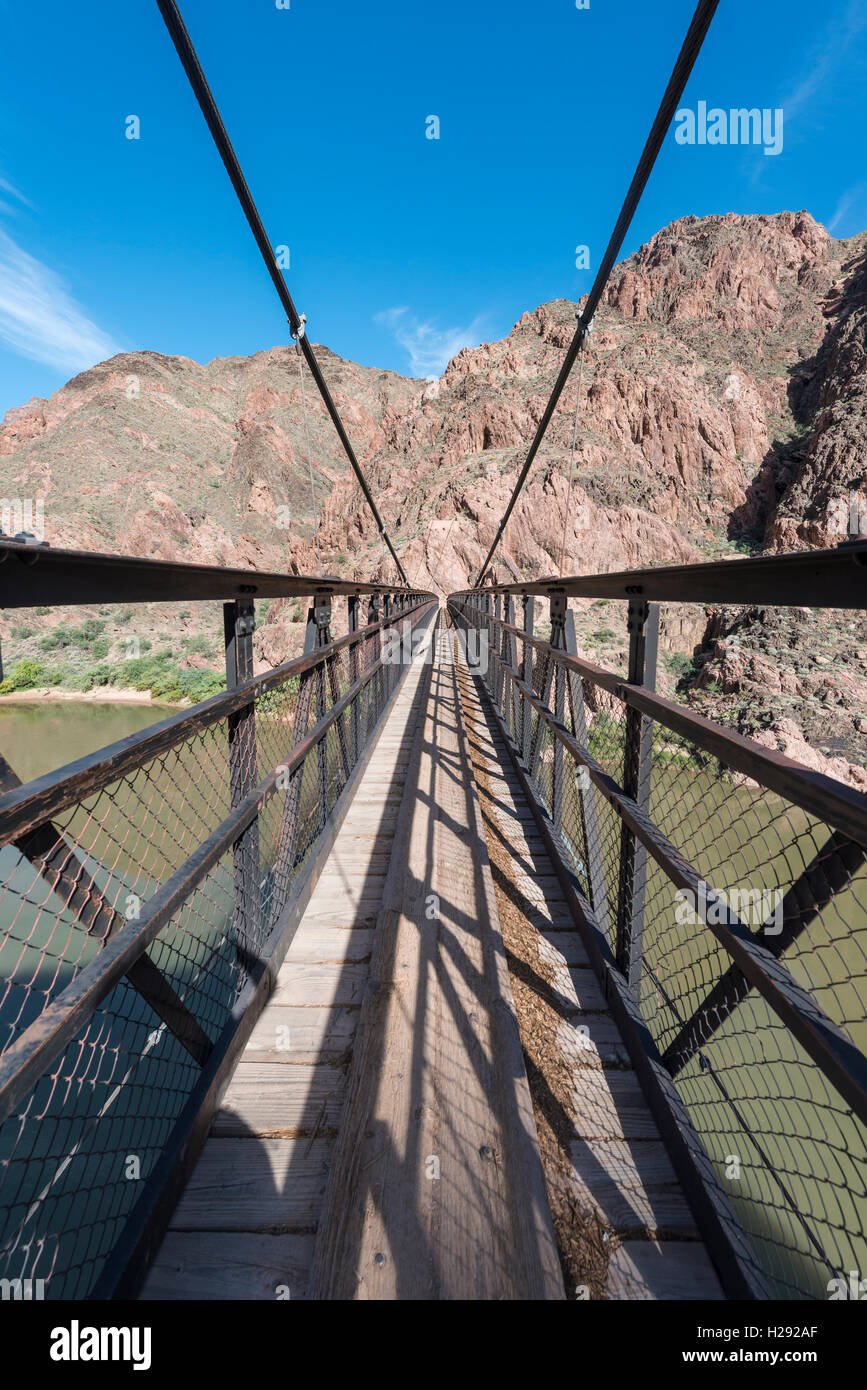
77	1150
790	1152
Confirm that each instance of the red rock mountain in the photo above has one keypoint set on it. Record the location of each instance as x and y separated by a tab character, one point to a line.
724	407
724	400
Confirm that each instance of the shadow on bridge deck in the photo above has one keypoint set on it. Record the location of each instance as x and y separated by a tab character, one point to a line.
378	1138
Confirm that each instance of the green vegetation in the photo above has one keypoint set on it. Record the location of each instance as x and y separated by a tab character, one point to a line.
678	664
198	646
603	638
23	676
88	638
159	674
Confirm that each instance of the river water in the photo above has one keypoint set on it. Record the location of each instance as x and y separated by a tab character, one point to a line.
36	737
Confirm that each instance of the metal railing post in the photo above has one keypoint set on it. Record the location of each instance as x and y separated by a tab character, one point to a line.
527	677
643	627
354	604
373	649
509	654
318	635
558	620
239	622
498	676
587	792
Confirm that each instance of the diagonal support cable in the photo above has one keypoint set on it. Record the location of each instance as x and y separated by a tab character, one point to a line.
683	67
187	54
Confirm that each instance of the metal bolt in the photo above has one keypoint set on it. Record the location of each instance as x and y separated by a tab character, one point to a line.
486	1152
379	1259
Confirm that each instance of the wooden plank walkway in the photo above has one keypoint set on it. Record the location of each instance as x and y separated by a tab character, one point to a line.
244	1226
436	1190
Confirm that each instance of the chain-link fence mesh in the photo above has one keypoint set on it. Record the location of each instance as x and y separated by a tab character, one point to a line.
74	1155
790	1151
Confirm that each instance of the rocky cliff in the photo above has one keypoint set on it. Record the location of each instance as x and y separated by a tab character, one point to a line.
724	402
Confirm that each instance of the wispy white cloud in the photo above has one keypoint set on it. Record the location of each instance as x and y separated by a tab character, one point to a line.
40	319
16	193
825	60
430	349
850	198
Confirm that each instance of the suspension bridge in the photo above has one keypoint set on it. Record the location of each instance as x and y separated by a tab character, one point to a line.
424	965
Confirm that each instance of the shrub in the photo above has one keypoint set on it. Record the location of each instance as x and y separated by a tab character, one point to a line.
60	637
26	674
90	630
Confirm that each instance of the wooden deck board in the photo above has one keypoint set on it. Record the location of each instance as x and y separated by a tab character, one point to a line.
652	1270
291	1035
267	1098
270	1185
315	984
220	1265
436	1188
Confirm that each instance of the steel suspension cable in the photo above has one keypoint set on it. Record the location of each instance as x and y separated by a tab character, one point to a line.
692	44
187	54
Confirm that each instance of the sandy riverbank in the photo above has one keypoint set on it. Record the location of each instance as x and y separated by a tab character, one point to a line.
102	694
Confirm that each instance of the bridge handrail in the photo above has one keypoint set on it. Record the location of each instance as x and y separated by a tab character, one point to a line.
834	578
223	868
37	575
816	792
31	804
700	995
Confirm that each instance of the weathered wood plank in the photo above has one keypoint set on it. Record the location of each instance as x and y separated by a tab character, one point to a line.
267	1185
294	1035
592	1041
672	1269
210	1266
270	1099
632	1185
436	1188
313	943
332	914
335	887
563	948
610	1104
315	985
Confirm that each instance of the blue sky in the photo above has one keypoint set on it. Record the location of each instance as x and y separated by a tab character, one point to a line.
402	249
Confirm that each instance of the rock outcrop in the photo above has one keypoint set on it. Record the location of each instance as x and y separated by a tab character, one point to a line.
724	409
